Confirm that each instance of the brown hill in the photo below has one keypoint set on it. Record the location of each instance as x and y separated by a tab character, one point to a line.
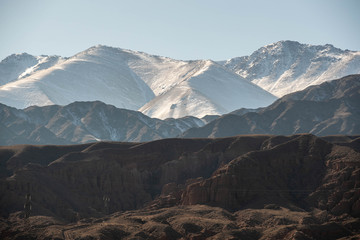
273	185
189	222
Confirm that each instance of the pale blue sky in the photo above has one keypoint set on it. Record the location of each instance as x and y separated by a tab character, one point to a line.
181	29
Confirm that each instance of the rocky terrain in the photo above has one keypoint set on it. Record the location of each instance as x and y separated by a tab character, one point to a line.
326	109
243	187
189	222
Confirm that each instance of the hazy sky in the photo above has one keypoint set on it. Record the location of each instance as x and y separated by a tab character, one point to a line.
181	29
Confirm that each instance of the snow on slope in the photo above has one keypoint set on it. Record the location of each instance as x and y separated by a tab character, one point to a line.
163	87
17	66
288	66
180	101
14	65
44	62
195	88
130	79
99	73
162	73
210	89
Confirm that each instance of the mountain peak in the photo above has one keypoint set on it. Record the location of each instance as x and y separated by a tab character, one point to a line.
18	57
105	47
116	53
284	43
279	48
288	66
289	45
95	50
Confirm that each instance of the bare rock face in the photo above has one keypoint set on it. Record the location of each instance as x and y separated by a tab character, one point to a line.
339	192
265	176
304	171
77	181
316	178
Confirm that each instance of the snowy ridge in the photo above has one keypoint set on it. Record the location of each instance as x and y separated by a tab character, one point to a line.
18	66
160	87
288	66
209	90
95	74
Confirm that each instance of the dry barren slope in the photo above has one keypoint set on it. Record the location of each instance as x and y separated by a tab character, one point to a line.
254	186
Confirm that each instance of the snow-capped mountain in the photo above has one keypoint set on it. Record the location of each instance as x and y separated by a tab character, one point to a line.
17	66
288	66
95	74
210	90
160	87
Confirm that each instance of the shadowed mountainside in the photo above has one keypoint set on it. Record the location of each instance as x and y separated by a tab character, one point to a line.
299	183
326	109
83	122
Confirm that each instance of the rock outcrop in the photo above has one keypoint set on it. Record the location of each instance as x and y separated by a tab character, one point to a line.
244	187
70	182
303	171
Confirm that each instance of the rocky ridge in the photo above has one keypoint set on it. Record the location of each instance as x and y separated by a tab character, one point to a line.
82	122
289	66
255	186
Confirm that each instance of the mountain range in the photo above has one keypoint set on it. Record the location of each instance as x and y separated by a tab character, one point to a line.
162	87
326	109
157	86
102	146
82	122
